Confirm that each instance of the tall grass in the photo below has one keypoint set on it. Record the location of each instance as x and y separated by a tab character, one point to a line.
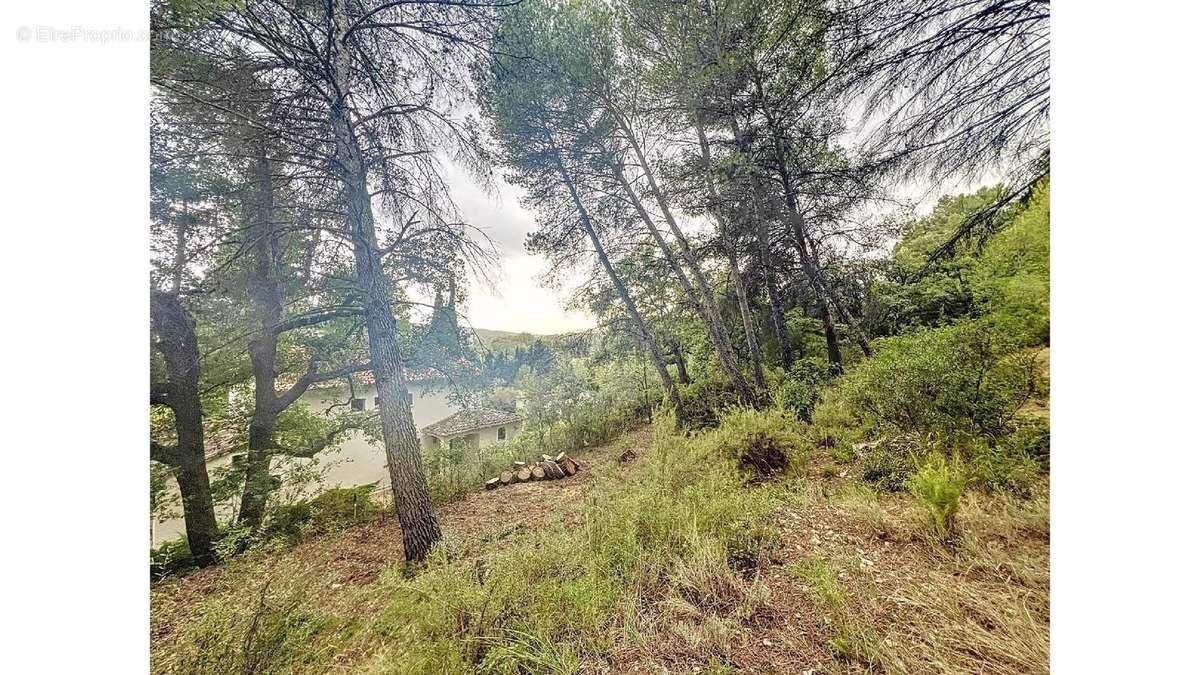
671	553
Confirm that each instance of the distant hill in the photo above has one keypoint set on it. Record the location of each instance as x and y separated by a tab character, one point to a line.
505	340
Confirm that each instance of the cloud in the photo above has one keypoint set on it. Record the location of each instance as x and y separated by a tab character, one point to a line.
518	302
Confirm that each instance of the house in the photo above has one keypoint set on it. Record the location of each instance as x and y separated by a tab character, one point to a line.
428	395
476	427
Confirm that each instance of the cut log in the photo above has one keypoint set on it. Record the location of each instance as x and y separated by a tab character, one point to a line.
537	472
560	457
547	458
568	465
517	465
506	477
523	474
491	483
553	470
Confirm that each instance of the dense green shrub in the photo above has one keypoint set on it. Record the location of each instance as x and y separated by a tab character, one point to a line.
885	469
1002	468
762	442
968	379
704	400
332	509
1031	438
799	389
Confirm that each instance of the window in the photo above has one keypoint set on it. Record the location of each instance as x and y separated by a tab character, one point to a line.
358	404
501	434
410	398
376	401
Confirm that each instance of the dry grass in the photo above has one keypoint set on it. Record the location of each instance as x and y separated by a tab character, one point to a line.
856	585
893	599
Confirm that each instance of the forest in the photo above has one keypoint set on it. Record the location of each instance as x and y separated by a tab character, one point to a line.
809	430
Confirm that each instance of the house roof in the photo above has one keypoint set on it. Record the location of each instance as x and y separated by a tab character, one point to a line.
473	419
366	378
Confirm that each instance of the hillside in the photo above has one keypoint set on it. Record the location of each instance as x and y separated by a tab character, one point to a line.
623	568
506	340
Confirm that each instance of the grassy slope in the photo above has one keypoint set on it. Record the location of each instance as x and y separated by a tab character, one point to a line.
614	573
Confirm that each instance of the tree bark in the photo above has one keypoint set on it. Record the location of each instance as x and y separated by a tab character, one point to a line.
778	320
735	272
401	445
660	364
680	363
175	333
859	336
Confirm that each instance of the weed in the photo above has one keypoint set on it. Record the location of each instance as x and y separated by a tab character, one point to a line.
937	487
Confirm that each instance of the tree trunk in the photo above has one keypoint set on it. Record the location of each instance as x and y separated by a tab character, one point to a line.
680	363
807	262
175	333
735	271
712	322
859	335
707	304
660	364
181	233
263	349
778	320
401	445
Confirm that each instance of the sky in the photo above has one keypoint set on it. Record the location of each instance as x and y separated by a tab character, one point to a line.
517	302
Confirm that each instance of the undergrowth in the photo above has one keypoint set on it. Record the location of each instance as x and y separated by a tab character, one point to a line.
672	553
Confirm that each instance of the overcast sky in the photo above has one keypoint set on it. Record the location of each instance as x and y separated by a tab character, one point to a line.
518	303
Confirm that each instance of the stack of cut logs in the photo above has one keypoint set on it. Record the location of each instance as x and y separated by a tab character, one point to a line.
548	468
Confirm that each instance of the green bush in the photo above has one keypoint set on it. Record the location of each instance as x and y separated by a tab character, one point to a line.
333	509
884	469
968	379
937	487
998	468
762	442
799	389
703	402
1031	438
